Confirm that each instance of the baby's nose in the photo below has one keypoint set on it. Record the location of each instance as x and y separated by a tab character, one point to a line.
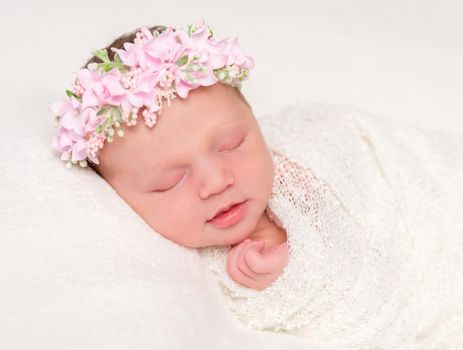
215	179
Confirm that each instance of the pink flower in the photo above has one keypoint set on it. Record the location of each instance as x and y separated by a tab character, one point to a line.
101	89
235	54
182	86
143	92
198	41
150	53
90	120
69	113
154	68
165	47
70	145
62	107
74	126
209	50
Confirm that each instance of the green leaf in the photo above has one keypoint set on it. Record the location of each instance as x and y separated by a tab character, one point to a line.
117	58
117	113
107	67
70	93
102	55
110	65
102	126
111	115
102	111
190	29
182	60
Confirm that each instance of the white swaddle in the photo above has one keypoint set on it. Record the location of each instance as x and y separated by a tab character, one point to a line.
374	216
80	269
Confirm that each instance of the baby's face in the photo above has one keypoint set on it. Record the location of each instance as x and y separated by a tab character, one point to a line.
203	153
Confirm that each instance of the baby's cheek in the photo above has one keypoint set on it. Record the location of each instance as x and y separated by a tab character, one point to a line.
149	209
177	214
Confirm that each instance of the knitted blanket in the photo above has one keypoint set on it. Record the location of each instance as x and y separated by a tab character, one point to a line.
373	210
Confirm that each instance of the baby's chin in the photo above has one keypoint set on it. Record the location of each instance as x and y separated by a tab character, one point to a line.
253	232
223	239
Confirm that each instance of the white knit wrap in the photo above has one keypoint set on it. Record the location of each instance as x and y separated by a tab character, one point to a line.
374	215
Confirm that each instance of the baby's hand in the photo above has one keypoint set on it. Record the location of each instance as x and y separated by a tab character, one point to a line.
251	266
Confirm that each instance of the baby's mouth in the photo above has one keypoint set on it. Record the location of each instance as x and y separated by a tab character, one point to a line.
224	210
230	216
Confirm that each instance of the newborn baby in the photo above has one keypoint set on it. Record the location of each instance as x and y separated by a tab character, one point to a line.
198	171
202	177
325	223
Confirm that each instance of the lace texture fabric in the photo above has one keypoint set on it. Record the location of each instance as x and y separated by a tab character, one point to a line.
373	212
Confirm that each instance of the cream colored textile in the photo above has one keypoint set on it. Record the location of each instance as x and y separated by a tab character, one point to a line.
374	215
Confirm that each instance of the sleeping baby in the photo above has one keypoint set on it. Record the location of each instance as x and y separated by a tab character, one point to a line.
207	184
320	222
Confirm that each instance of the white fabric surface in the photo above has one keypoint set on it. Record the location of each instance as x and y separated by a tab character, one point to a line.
79	269
374	216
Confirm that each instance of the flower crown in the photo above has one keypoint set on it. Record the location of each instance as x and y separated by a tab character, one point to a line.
156	66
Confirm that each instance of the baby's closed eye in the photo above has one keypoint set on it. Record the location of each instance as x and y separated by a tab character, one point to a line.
242	140
170	184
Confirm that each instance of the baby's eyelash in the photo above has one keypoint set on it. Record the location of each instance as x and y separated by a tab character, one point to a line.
241	142
171	187
161	191
235	147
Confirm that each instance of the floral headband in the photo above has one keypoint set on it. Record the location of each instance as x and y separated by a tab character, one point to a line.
154	67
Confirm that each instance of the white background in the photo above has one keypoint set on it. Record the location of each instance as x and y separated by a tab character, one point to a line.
400	59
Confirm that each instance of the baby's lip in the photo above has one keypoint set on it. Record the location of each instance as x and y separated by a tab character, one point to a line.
224	208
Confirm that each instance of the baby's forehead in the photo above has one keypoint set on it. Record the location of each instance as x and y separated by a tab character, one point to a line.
170	149
178	132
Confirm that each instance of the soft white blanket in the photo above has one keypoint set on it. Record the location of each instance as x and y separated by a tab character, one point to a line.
79	269
374	216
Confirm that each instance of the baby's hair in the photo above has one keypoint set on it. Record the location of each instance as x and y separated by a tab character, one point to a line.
118	43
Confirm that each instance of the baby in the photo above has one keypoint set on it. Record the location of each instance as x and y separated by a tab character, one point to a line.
202	174
202	177
336	227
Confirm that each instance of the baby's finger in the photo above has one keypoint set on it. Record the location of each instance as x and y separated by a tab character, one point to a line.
277	257
235	273
256	262
232	260
233	251
242	263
